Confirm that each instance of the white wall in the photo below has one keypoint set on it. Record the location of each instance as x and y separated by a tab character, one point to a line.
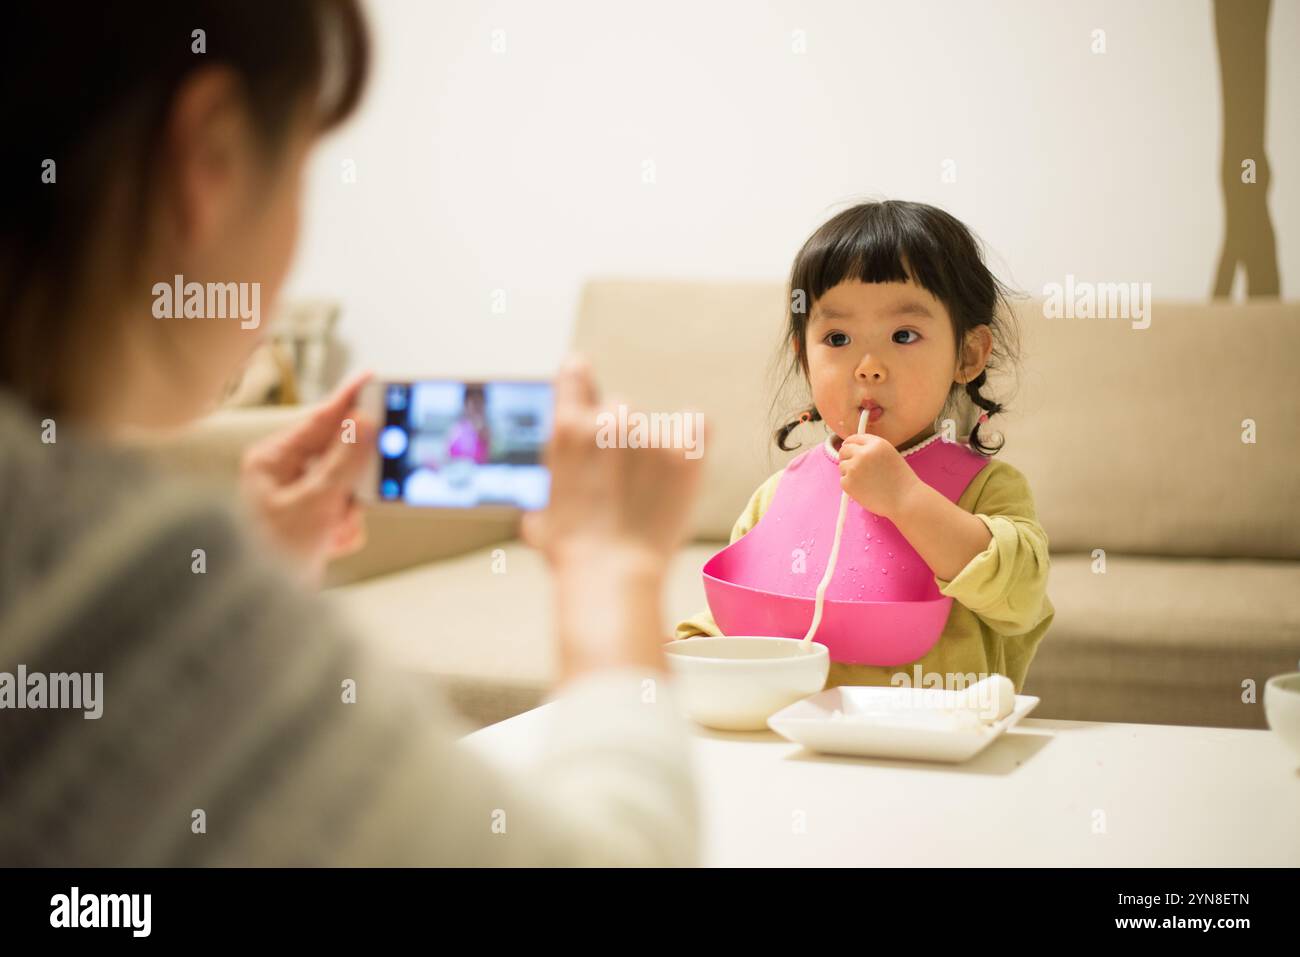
522	171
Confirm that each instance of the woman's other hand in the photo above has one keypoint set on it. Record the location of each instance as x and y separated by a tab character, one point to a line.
299	482
616	517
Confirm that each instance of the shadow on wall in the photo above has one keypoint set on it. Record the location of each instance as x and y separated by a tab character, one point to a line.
1241	30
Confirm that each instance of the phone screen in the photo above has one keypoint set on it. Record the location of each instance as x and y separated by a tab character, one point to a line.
448	444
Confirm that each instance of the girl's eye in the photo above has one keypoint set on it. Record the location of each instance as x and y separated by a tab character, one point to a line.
905	332
836	339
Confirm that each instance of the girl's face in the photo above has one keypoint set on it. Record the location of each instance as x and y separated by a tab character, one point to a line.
888	347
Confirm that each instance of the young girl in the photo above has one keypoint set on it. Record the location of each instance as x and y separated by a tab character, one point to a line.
893	312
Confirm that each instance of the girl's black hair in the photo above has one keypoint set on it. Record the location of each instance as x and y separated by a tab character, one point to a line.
893	241
85	92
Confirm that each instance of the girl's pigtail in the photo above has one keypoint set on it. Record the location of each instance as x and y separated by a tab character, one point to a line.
990	408
783	433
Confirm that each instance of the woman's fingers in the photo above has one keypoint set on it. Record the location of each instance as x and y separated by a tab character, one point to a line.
665	484
322	494
350	533
325	422
581	480
532	529
301	481
339	468
574	386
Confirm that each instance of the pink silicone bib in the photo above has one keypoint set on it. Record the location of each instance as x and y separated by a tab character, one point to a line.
882	606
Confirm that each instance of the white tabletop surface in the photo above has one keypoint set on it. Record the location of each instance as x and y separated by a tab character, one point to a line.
1051	793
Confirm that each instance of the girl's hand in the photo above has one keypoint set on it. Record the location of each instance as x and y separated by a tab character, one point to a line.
874	474
299	482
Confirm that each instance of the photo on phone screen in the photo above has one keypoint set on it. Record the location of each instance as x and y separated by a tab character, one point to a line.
448	444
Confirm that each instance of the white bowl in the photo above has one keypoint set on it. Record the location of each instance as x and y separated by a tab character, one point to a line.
736	684
1282	707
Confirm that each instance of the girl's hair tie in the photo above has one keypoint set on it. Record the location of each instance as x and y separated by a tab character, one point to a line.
805	416
984	417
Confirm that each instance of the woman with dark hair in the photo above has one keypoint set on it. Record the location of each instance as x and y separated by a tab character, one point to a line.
159	146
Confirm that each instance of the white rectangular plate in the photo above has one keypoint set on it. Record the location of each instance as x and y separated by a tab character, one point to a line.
867	729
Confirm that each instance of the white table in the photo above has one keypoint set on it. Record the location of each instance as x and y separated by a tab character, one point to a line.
1051	793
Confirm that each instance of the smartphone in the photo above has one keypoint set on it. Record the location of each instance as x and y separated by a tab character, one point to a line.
449	444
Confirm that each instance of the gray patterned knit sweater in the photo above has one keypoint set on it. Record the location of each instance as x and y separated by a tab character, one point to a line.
224	736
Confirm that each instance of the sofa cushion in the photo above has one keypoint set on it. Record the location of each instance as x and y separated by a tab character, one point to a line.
1166	640
1132	438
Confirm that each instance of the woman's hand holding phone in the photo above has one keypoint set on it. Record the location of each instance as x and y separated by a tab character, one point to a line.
615	518
299	482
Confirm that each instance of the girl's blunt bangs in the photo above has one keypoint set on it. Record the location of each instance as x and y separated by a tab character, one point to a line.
882	242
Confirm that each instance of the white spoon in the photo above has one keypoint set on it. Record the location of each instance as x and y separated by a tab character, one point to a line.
835	551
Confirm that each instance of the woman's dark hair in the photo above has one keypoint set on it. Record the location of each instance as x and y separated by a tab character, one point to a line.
893	241
86	93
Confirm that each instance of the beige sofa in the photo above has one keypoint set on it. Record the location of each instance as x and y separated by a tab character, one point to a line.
1176	544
